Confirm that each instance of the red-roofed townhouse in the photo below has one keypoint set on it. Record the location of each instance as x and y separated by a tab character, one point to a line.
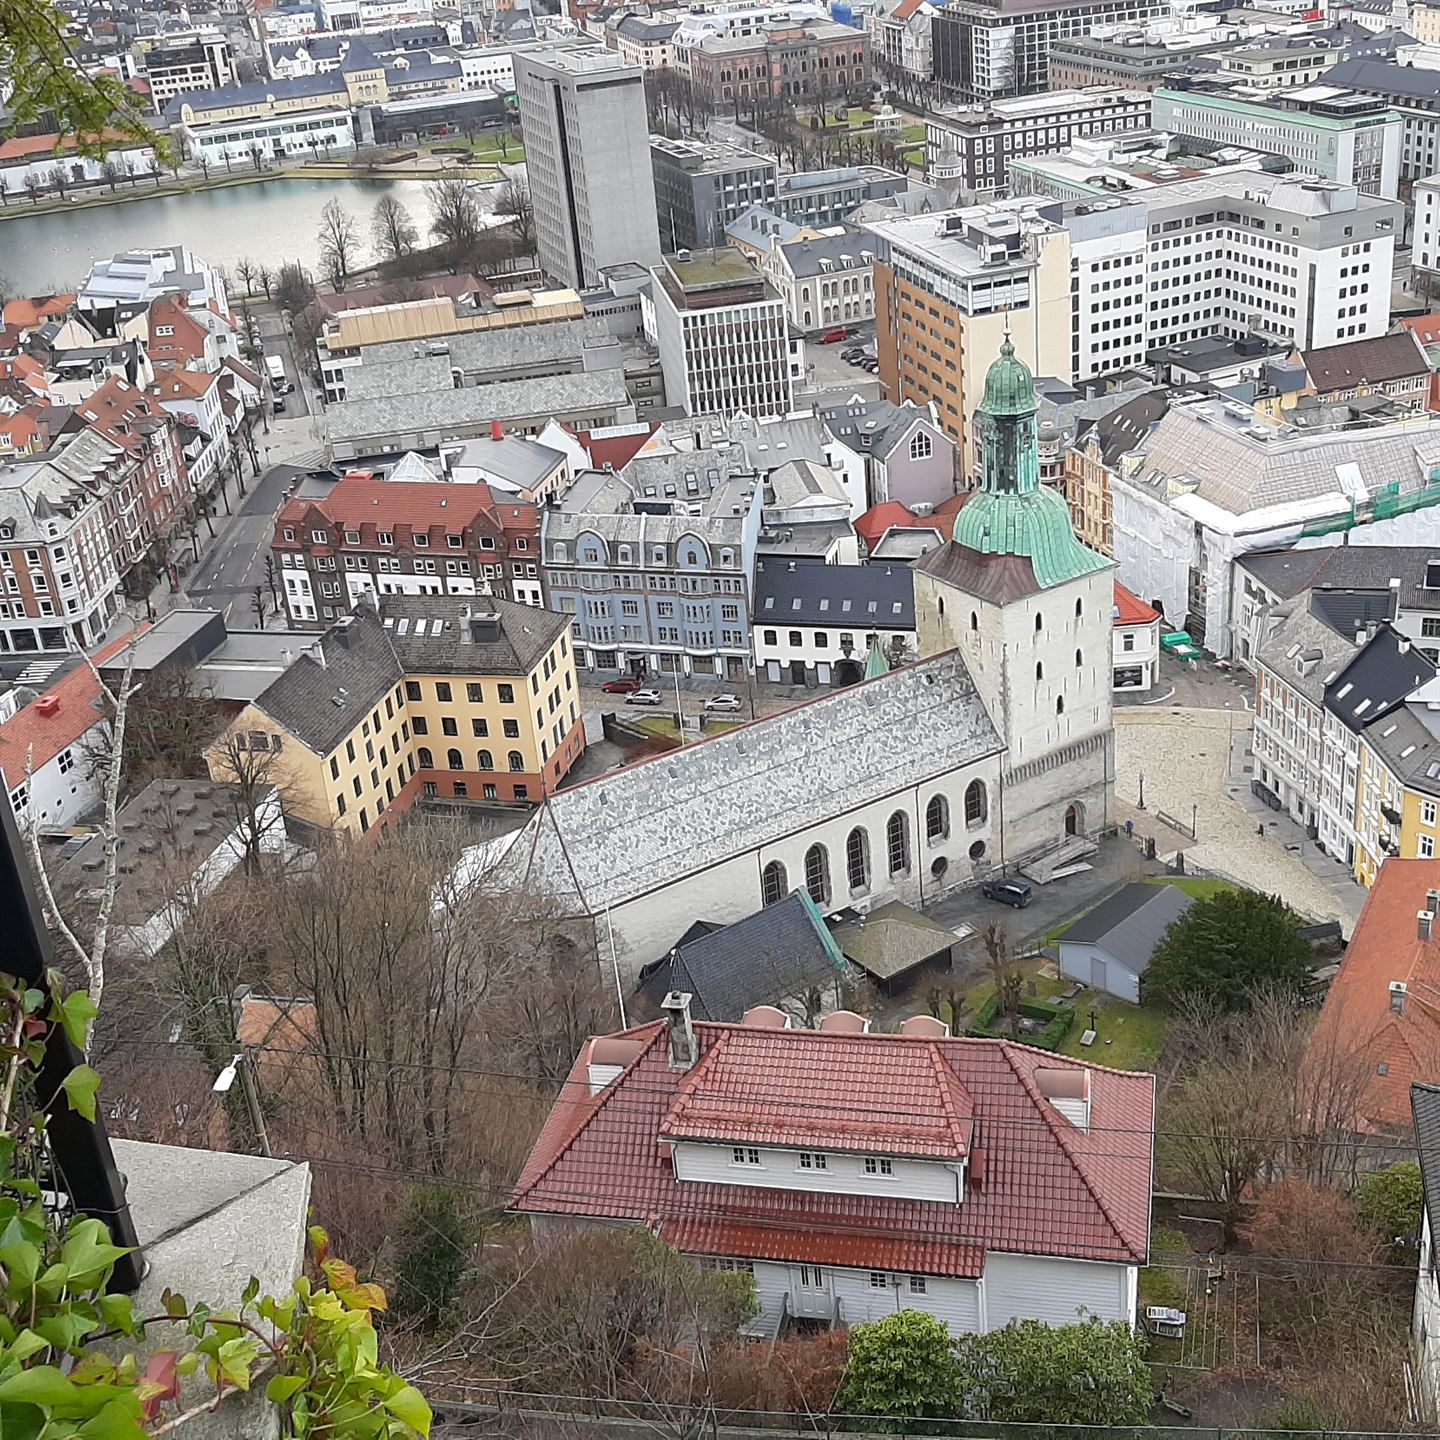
854	1174
26	314
403	538
1379	1029
1426	329
22	380
21	433
1136	641
175	336
147	486
196	398
43	745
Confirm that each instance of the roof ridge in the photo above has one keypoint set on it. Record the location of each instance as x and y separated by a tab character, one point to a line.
1066	1144
601	1101
944	1077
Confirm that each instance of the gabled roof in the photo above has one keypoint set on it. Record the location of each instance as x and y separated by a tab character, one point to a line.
878	596
1130	609
627	833
1359	1025
879	520
40	732
1376	362
320	704
1038	1184
431	636
1386	669
775	954
1357	567
1131	923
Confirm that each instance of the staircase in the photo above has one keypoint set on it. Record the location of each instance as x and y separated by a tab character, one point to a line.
1054	863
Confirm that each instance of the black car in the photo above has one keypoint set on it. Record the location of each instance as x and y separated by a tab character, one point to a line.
1007	892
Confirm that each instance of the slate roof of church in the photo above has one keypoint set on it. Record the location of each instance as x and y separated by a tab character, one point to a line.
625	834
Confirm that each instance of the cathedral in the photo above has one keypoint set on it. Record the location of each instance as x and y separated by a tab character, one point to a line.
994	747
1029	608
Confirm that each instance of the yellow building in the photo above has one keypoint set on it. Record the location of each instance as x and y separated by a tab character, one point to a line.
422	699
1398	803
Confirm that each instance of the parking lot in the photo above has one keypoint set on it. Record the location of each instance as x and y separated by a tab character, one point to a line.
826	371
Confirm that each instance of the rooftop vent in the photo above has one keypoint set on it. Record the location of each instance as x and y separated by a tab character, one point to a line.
1069	1092
766	1017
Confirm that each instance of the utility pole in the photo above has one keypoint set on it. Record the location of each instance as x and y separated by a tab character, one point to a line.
242	1066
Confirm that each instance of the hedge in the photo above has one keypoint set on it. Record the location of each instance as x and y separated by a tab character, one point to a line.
1058	1018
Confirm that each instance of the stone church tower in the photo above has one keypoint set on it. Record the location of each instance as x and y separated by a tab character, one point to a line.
1030	610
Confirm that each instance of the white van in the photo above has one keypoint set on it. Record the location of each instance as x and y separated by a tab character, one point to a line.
275	368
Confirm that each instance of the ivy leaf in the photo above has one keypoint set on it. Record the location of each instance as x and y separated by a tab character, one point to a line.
174	1304
24	1345
22	1422
282	1387
22	1265
235	1358
363	1297
119	1420
339	1273
75	1012
161	1382
80	1086
320	1243
116	1312
409	1406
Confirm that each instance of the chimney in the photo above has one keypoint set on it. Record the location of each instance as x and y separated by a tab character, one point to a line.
1432	901
497	430
1424	924
676	1009
1398	992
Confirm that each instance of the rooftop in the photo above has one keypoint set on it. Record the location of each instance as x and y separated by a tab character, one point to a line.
616	838
877	596
433	635
1366	362
1131	923
1044	1185
1360	1019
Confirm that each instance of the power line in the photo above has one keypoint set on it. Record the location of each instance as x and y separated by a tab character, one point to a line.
633	1091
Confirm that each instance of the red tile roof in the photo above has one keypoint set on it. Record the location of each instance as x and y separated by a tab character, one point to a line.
616	450
41	732
118	403
1426	328
27	313
186	342
1039	1185
878	520
359	501
1358	1026
28	147
1130	609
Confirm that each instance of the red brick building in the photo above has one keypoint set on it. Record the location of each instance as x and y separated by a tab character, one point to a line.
146	490
396	537
821	60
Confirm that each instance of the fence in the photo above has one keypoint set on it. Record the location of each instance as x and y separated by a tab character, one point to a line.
462	1405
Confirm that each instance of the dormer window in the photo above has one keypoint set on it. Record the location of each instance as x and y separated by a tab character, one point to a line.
813	1160
422	541
744	1155
879	1165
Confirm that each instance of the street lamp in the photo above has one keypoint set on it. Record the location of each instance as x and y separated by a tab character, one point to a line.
1142	790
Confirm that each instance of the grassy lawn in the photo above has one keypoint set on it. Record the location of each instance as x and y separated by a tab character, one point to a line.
483	148
1128	1037
664	725
1198	887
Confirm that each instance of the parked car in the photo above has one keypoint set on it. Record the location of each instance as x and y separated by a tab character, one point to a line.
623	686
1007	892
853	354
723	702
871	365
859	357
835	335
644	697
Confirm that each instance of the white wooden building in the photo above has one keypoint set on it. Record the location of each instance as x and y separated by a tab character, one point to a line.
975	1180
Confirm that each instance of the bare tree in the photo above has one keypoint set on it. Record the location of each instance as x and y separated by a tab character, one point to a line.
392	230
255	775
265	278
91	957
246	271
1008	976
514	200
339	241
293	288
455	220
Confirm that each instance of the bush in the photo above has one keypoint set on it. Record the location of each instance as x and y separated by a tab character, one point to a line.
1391	1202
432	1252
1058	1018
902	1365
1294	1412
1226	947
1032	1373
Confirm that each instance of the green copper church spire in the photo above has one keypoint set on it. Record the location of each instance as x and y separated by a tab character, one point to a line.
1014	514
875	662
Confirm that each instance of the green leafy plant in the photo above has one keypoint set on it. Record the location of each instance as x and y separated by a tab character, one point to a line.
1390	1201
315	1349
432	1251
904	1365
46	83
1224	949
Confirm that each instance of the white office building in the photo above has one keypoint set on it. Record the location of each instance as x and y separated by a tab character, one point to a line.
1228	254
722	334
587	148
